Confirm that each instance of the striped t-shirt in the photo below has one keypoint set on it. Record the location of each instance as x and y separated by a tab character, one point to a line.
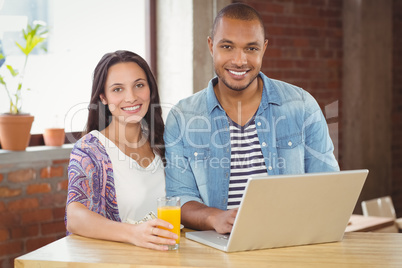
246	159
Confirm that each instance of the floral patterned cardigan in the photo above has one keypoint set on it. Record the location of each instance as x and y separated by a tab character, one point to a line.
90	178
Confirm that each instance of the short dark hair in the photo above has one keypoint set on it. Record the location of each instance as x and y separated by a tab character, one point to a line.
238	11
99	116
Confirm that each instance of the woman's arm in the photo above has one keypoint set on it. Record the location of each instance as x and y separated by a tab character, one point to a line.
87	223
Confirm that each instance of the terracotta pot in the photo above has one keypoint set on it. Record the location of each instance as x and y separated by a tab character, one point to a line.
54	136
15	131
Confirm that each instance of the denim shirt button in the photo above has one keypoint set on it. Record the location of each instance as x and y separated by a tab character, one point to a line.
195	154
270	168
290	143
259	124
264	144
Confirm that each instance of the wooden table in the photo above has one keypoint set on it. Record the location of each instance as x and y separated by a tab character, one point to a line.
355	250
360	223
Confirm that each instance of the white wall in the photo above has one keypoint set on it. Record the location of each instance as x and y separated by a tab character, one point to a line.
175	51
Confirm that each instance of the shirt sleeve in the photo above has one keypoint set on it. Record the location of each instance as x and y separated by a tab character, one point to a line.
90	179
180	179
319	148
81	170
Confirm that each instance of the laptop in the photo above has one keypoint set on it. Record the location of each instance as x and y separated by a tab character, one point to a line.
290	210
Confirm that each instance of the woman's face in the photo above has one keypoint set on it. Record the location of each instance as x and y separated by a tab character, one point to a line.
127	92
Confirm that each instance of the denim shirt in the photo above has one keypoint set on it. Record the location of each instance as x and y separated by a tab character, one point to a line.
291	128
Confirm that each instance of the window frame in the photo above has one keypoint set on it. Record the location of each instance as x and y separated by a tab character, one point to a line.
150	28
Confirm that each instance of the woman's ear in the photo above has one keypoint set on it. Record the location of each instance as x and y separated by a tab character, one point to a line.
103	99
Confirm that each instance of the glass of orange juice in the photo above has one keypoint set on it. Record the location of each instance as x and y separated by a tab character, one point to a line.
169	210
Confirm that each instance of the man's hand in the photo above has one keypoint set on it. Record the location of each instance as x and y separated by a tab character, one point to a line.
223	221
198	216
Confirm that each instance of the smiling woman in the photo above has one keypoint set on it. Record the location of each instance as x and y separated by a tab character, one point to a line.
60	80
121	159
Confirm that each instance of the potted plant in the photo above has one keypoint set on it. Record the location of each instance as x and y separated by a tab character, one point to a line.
54	134
15	126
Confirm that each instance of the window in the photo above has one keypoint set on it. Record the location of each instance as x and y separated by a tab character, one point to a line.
80	33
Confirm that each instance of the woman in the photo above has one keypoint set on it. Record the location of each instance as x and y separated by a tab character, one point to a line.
116	170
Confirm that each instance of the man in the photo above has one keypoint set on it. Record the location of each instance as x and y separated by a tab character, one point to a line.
242	125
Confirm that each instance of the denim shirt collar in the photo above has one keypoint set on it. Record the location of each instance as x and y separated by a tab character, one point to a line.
270	95
212	100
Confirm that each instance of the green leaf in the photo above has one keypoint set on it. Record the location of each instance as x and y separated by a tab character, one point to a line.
43	47
25	33
13	72
13	108
32	40
21	47
2	80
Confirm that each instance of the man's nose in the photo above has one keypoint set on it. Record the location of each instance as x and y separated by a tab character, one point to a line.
239	58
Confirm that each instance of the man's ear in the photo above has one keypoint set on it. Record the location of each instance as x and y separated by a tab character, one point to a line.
265	45
211	45
103	99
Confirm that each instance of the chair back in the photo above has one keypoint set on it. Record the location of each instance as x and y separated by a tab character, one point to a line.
380	207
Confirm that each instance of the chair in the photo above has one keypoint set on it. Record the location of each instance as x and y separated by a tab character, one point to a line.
381	207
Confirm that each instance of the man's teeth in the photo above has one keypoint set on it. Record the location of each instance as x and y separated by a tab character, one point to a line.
131	108
237	73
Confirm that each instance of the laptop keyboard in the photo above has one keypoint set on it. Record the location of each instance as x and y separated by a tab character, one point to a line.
224	237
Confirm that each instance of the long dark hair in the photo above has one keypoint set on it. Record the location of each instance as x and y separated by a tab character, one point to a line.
99	116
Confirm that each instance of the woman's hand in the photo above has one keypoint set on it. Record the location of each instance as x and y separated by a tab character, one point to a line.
148	235
87	223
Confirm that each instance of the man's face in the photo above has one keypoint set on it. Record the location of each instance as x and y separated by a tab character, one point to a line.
237	50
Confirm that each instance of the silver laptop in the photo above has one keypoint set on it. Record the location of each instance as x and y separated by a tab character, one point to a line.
290	210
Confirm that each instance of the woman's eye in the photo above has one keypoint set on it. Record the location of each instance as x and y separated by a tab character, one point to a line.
117	89
139	85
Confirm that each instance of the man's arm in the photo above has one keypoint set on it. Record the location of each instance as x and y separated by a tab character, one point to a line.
198	216
319	149
181	181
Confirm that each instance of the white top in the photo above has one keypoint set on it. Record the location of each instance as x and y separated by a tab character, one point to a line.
137	188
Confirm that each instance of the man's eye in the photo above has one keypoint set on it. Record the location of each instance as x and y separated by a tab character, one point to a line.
226	46
253	49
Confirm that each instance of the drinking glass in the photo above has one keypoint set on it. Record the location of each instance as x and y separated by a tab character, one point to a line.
169	210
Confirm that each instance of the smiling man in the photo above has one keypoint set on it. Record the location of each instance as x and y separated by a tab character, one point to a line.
243	124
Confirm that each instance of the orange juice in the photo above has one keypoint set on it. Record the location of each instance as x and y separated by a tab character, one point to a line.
171	214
